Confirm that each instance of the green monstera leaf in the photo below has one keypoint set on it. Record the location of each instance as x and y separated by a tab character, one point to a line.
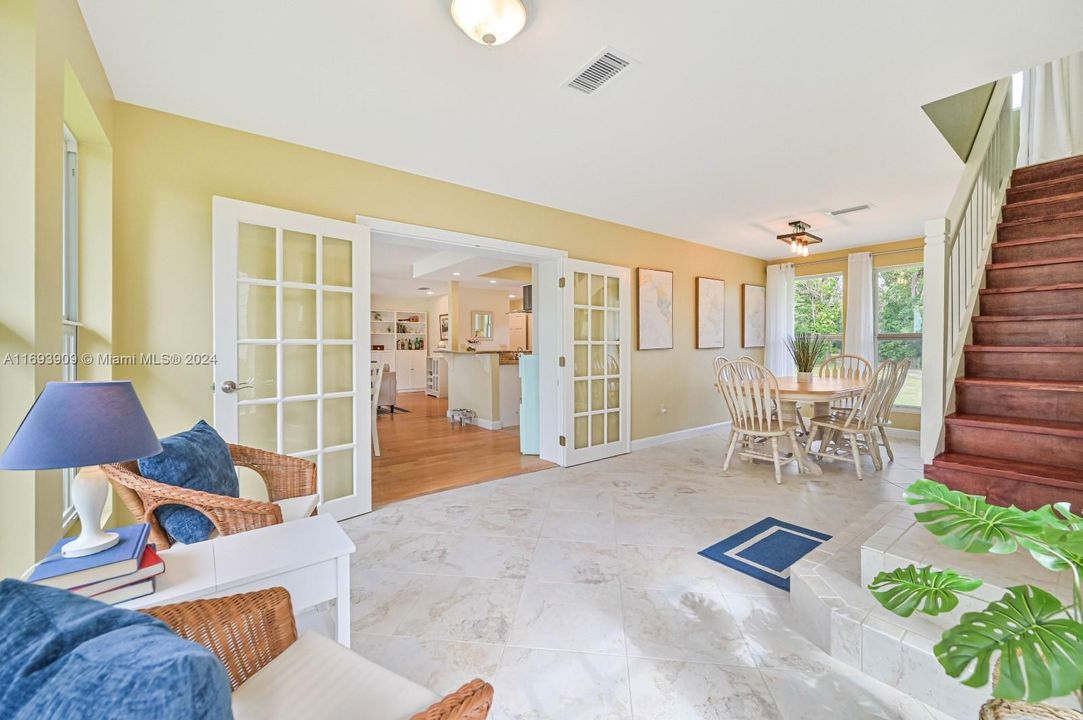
912	588
1041	650
968	523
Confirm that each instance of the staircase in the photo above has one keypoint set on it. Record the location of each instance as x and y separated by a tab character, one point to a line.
1016	435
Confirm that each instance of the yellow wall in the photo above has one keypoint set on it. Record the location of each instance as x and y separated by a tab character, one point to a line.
168	168
51	75
902	252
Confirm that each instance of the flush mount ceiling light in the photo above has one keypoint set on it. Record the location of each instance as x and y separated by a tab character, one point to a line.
489	22
800	238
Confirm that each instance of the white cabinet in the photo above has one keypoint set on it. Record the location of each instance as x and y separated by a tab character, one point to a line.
437	377
410	370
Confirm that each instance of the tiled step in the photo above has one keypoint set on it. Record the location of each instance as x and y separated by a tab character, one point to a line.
1008	482
1048	226
1047	170
1040	399
1046	271
1070	245
1028	440
1032	299
1028	362
1047	188
1028	329
1043	207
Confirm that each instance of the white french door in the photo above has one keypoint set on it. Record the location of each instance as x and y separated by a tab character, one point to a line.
291	340
596	377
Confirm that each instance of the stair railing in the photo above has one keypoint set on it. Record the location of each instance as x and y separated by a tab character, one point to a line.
957	248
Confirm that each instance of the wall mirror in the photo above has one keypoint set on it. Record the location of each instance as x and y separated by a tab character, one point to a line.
481	324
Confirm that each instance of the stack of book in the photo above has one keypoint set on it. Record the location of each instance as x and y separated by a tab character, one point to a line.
123	572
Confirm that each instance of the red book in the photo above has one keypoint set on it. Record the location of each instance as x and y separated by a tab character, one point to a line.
149	566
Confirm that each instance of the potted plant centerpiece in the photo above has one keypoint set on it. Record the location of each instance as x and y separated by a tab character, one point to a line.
806	349
1035	638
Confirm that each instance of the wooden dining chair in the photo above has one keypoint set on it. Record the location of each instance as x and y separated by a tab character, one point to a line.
376	382
883	420
856	426
846	367
751	394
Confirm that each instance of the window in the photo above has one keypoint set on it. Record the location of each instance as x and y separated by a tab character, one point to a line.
69	319
818	307
899	293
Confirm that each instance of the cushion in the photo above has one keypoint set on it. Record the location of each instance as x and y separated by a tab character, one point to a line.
297	508
318	678
197	459
66	656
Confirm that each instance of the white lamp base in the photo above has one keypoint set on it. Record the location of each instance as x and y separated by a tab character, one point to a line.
89	491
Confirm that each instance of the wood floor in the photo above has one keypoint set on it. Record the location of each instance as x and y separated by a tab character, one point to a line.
421	452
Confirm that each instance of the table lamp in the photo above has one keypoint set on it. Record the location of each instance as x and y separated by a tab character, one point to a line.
81	425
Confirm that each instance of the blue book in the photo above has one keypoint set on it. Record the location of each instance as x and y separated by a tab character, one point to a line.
121	559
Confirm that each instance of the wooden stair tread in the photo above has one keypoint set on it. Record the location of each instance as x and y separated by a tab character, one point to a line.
1025	348
1044	218
1069	162
1034	263
1011	383
1026	318
1022	425
1035	241
1030	288
1010	469
1047	183
1047	199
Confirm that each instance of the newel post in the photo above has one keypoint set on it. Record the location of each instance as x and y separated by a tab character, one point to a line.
934	338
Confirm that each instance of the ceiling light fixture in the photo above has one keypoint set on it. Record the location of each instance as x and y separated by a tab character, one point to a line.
492	282
456	274
800	239
489	22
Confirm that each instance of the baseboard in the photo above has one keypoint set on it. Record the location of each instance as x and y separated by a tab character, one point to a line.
484	424
904	433
653	440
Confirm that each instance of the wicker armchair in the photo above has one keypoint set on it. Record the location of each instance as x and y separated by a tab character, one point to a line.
249	630
285	477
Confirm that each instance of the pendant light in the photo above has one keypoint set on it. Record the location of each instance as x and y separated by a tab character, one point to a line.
800	239
489	22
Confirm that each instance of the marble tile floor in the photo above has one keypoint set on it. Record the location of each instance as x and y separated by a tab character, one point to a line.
578	592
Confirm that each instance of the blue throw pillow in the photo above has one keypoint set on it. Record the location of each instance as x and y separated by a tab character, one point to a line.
197	459
65	656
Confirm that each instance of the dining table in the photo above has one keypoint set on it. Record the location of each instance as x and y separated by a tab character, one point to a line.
819	392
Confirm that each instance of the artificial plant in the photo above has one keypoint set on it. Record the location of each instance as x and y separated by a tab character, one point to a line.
1039	638
806	349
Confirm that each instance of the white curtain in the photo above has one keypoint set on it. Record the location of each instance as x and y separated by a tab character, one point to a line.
1051	116
860	338
778	325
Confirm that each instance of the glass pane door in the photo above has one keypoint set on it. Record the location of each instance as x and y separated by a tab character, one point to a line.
295	346
596	344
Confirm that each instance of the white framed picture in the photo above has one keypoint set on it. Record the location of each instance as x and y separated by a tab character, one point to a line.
654	308
753	316
710	313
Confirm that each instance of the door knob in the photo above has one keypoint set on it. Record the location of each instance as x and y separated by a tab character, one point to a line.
230	386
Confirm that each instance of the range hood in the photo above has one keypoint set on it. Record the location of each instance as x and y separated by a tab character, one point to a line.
528	298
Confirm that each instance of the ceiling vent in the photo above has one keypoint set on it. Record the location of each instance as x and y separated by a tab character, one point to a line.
600	71
847	211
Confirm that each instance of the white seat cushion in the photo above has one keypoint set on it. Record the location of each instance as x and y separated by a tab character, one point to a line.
318	679
297	508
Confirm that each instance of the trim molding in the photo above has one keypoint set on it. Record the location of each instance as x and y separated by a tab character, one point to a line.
643	443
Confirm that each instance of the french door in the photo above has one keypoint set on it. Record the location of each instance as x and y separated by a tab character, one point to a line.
596	377
291	340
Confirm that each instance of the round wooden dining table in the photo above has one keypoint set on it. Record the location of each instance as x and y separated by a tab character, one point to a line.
819	392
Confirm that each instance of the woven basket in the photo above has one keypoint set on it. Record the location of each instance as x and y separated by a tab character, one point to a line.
1018	710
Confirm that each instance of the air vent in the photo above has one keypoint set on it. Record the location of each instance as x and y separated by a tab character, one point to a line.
847	211
599	72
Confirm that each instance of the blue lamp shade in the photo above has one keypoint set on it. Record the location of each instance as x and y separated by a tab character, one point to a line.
78	424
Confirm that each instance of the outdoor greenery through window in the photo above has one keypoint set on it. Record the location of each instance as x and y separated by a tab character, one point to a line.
898	323
818	308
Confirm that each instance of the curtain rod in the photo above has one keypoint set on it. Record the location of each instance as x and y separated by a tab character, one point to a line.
919	248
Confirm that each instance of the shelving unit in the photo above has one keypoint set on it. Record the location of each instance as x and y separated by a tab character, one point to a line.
436	377
403	337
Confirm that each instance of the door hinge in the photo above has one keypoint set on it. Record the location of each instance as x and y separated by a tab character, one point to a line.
561	282
563	441
561	361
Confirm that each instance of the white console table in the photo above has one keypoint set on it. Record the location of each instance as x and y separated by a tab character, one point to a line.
310	558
